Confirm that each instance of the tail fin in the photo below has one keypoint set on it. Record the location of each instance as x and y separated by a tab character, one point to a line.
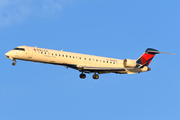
147	57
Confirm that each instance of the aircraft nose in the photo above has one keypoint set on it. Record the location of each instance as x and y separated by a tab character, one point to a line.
7	54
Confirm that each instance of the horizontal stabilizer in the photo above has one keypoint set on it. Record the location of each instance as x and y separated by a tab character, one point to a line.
157	52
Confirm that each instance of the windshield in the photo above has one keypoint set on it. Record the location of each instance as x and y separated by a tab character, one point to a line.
22	49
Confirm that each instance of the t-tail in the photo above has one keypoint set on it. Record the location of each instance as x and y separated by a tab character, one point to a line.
147	57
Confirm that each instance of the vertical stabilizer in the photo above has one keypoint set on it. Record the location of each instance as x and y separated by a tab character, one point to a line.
147	57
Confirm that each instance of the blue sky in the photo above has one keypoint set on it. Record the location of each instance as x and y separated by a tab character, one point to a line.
117	29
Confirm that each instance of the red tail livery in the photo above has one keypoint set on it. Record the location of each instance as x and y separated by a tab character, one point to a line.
147	57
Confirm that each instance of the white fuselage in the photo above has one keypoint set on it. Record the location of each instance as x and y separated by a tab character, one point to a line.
69	59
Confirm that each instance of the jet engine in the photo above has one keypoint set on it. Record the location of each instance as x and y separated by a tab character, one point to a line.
129	63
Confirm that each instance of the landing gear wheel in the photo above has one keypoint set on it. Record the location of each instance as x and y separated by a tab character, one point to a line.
13	64
82	76
95	76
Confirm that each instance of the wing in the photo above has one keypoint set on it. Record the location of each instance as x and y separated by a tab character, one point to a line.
105	69
100	70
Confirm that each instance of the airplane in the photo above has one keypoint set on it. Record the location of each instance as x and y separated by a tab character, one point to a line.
83	62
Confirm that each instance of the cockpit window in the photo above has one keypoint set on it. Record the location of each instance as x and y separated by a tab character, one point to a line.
22	49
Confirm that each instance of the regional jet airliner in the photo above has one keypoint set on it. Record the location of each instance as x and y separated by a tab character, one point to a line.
83	62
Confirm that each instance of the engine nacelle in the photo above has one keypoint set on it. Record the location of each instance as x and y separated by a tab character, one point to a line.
129	63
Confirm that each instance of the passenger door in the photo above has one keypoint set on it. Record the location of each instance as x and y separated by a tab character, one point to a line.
30	52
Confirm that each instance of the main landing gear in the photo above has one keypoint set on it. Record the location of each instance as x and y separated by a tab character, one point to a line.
95	76
14	62
83	76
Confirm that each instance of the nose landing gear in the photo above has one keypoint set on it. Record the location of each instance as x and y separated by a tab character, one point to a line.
14	62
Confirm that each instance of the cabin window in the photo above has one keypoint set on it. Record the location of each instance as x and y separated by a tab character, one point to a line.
107	61
111	62
73	56
79	57
100	61
59	55
52	53
41	52
70	56
66	55
84	58
56	54
103	61
45	53
96	60
63	55
89	59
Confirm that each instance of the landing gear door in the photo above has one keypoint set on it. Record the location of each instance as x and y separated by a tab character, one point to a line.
30	52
